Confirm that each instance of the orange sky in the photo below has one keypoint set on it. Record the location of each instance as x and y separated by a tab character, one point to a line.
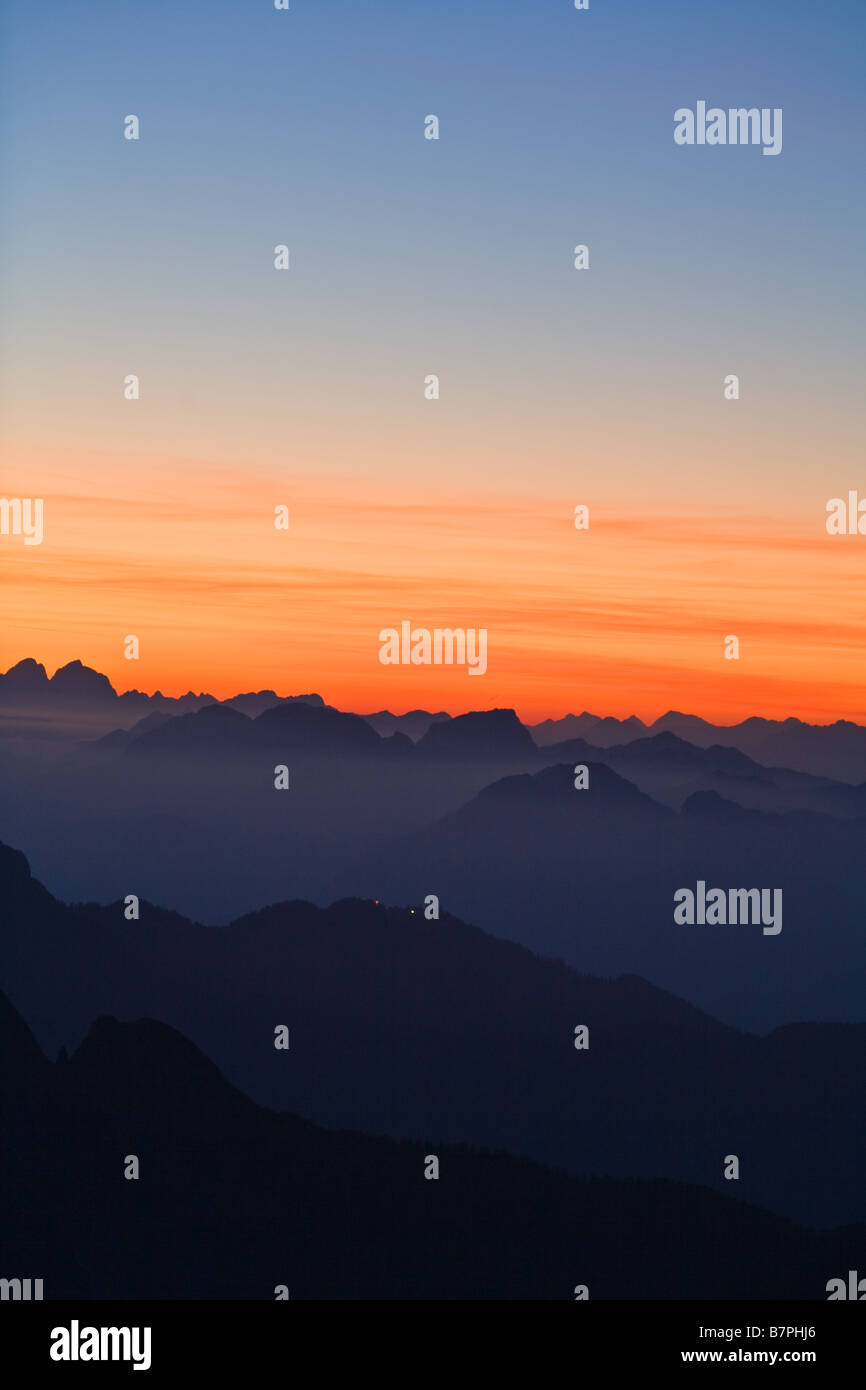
629	617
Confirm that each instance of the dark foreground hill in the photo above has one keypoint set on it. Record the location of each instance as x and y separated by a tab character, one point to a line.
411	1027
233	1201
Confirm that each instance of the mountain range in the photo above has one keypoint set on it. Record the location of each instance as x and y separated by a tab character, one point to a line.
836	751
233	1201
415	1027
188	809
583	1064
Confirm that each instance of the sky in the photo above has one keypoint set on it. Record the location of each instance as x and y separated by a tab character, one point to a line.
455	257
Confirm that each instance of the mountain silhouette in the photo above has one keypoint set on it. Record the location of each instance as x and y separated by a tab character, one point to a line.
835	750
309	730
255	702
213	728
292	728
77	683
411	1027
590	875
670	769
185	808
414	723
27	679
486	734
599	731
232	1201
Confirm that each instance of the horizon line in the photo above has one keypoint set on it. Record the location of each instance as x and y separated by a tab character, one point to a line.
550	718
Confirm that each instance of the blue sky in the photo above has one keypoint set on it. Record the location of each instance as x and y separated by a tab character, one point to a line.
556	128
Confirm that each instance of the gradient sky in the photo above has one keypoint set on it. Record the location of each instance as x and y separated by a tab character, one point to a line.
411	257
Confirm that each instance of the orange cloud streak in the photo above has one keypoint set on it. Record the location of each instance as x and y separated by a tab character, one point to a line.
628	617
